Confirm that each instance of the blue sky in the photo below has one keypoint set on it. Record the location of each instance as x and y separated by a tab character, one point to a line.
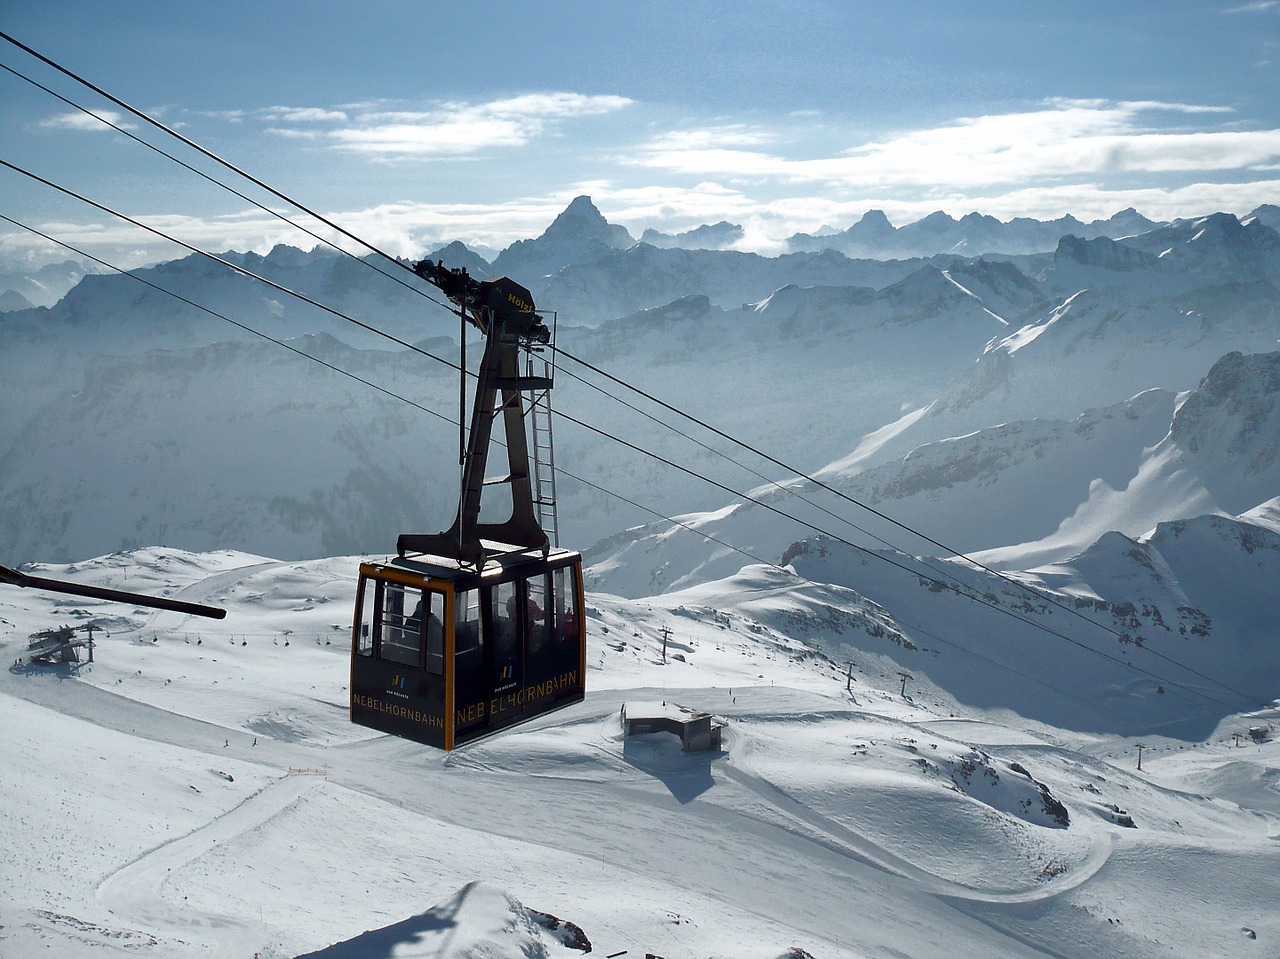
413	123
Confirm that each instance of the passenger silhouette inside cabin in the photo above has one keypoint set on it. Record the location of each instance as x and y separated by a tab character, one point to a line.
434	635
533	612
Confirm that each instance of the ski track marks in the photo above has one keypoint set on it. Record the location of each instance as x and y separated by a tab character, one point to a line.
847	840
136	891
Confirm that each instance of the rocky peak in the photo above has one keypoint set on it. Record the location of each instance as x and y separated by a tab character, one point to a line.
1101	251
581	220
1234	412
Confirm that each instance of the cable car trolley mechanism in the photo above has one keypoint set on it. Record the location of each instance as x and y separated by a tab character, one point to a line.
481	626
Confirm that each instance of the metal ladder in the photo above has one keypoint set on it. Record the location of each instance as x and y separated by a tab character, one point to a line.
544	460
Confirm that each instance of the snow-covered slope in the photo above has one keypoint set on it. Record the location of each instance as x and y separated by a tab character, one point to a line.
43	286
1163	632
198	790
1018	495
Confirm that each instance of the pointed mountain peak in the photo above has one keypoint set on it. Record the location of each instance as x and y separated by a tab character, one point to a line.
938	218
581	220
577	235
1267	213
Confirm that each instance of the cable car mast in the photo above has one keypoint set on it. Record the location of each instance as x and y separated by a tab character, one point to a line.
503	311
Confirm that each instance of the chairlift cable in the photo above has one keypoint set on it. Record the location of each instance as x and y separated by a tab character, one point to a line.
915	628
416	289
235	323
419	290
799	473
872	553
736	493
359	379
231	266
787	490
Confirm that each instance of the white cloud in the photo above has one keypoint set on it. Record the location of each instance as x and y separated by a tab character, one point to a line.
716	137
433	135
291	133
1062	138
457	128
92	122
304	115
444	129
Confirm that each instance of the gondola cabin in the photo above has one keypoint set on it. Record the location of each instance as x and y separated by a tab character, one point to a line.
443	653
481	626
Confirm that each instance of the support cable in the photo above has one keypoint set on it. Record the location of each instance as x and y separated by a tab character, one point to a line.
416	289
231	266
995	606
915	628
274	192
226	186
199	149
235	323
604	433
902	566
800	474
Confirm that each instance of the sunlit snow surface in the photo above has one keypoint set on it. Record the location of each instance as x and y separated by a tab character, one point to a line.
198	791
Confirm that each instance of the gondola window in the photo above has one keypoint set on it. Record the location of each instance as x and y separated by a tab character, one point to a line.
538	612
566	604
364	640
469	637
401	625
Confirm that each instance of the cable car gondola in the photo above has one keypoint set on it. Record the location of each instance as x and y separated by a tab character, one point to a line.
477	628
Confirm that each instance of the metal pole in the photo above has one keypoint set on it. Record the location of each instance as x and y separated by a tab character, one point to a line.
17	578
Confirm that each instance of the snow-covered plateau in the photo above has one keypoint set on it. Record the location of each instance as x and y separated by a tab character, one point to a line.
992	631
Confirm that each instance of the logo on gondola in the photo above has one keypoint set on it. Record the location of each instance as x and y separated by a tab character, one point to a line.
396	688
506	679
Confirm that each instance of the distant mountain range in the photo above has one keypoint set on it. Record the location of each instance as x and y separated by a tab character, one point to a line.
41	287
125	406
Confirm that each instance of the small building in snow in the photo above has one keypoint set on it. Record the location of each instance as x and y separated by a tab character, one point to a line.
697	730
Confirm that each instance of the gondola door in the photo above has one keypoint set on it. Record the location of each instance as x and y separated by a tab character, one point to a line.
556	650
471	686
506	659
398	657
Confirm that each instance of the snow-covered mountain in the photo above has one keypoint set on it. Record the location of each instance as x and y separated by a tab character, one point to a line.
831	362
1167	630
890	782
11	300
711	236
40	287
1018	495
923	756
972	235
579	234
